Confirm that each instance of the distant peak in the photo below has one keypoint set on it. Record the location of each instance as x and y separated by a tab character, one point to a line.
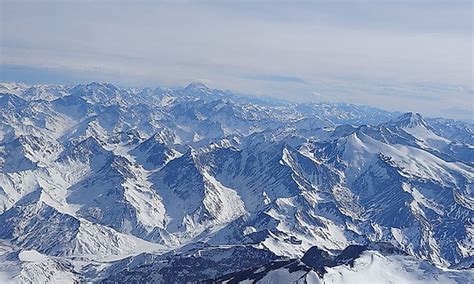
410	115
196	85
410	120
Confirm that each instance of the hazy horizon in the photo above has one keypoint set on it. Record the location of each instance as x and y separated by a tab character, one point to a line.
393	55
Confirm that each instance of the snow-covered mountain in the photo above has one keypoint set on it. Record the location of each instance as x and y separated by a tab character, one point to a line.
102	183
355	264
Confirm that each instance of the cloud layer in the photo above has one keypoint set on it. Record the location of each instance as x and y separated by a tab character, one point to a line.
361	52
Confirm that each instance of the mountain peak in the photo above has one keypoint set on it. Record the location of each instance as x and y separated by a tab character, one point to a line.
410	120
197	86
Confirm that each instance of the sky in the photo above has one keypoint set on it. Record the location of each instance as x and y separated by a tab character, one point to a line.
396	55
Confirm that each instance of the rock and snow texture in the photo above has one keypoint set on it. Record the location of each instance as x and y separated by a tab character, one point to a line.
370	267
29	266
92	176
376	268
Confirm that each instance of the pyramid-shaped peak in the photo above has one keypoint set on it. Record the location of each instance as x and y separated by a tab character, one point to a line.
411	115
85	149
163	136
90	142
196	86
410	120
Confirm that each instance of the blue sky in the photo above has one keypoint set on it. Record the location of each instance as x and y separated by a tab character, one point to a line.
398	55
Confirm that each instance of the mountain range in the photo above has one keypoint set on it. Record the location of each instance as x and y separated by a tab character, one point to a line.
108	184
